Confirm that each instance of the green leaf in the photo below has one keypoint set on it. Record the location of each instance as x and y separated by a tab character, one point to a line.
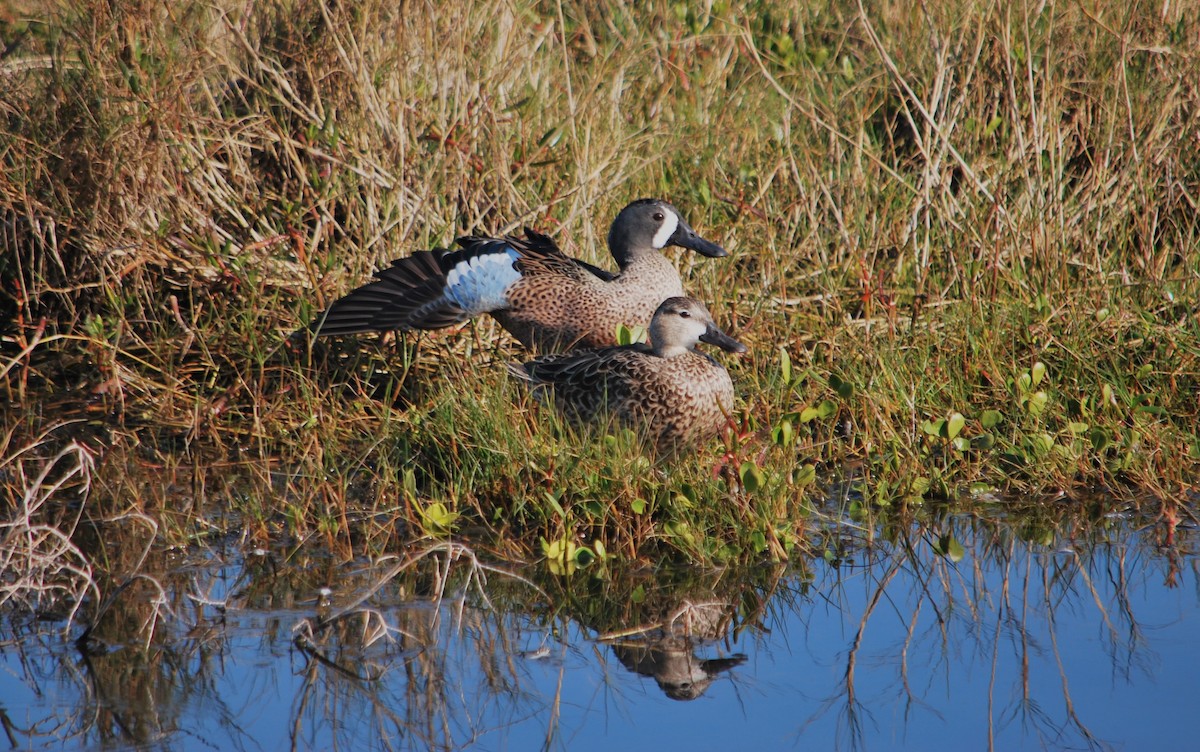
948	546
583	556
992	125
681	530
844	388
1038	372
822	411
752	477
806	475
983	441
560	556
552	500
1144	371
785	366
1036	403
955	424
759	541
848	67
883	493
437	518
1043	443
630	335
638	506
990	419
1077	427
783	434
933	427
961	443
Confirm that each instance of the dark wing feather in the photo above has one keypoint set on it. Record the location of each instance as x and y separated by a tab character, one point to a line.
587	383
541	255
409	294
406	295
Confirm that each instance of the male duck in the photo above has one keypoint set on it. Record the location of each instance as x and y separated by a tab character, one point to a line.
546	299
666	388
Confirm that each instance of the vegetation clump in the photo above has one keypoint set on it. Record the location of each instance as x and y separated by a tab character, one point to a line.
963	258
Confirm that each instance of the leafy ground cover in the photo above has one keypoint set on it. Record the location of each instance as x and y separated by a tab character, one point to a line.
964	257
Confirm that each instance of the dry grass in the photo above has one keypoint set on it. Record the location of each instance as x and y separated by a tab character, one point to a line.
922	207
43	569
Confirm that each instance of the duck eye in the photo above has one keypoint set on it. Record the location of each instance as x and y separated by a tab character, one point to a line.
659	216
685	314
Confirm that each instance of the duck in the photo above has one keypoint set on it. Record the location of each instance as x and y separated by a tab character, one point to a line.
666	389
547	300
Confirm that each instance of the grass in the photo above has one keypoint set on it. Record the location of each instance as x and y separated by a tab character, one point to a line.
963	256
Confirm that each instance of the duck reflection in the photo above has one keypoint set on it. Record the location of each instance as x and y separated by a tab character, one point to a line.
680	674
677	626
670	652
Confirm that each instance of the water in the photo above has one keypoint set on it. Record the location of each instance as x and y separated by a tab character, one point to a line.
1089	641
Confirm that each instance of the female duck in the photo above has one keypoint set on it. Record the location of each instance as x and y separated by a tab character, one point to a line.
667	389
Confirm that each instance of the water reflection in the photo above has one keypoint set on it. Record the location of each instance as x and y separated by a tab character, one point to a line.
1086	638
670	659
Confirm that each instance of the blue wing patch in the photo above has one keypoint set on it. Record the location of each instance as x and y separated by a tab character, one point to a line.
480	284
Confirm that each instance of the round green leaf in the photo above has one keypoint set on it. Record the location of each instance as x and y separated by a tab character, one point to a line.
752	477
1037	402
1038	372
955	424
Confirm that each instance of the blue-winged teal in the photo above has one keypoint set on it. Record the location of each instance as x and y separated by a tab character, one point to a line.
667	389
543	297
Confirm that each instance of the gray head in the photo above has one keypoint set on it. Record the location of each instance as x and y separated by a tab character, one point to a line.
649	224
680	323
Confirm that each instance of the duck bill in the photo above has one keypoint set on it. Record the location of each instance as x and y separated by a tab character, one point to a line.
685	237
715	336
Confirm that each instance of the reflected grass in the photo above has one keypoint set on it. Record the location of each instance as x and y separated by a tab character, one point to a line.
435	648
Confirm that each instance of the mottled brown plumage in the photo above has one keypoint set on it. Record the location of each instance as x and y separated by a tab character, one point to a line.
546	299
666	389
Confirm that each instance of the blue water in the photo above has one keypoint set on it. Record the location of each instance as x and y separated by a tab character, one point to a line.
1014	647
